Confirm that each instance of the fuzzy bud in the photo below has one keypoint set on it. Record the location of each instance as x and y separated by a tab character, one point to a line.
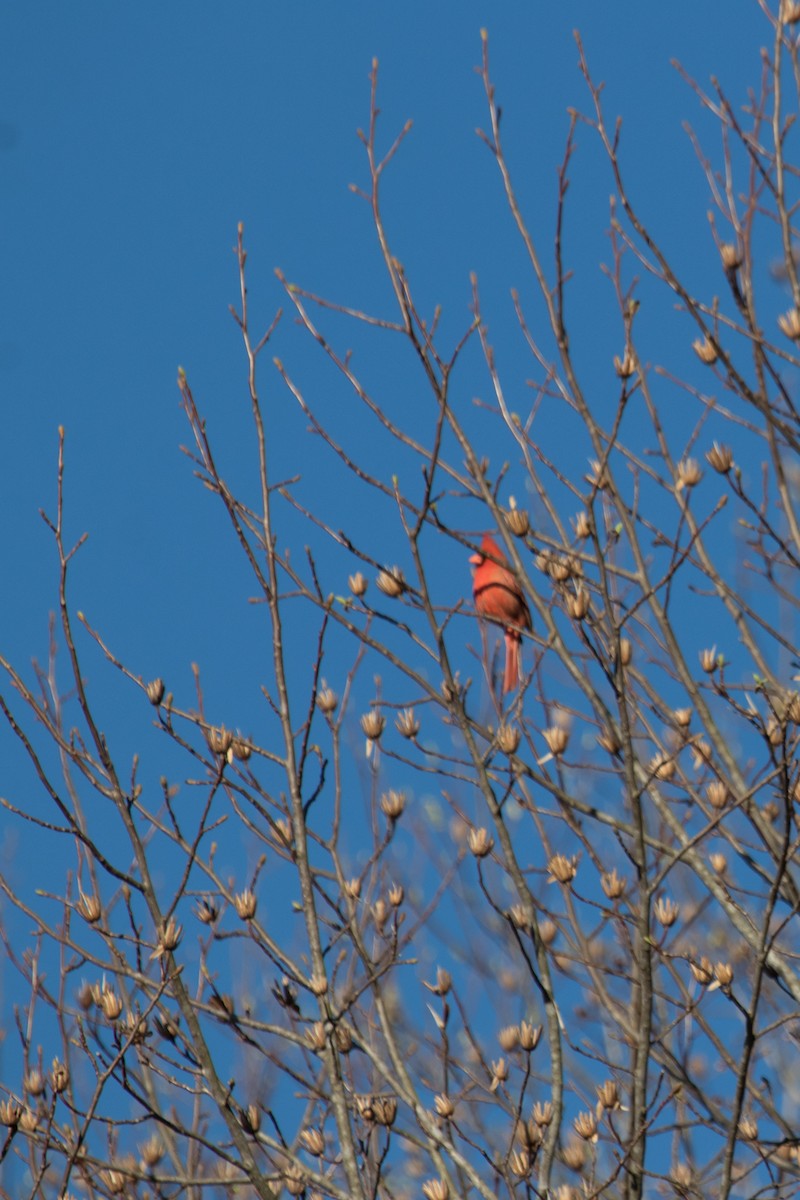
585	1125
59	1076
518	521
508	1037
709	660
662	768
151	1152
529	1036
499	1073
582	525
384	1110
557	738
435	1189
574	1154
10	1113
520	1163
480	842
720	458
731	256
608	1095
562	869
318	984
393	804
313	1141
666	911
245	904
613	885
597	476
687	474
326	699
35	1083
703	971
443	983
705	350
240	750
407	724
723	973
543	1113
373	724
89	908
508	738
392	583
219	740
315	1036
608	741
789	324
578	604
110	1003
717	794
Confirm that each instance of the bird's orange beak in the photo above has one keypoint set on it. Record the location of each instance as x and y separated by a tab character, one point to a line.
476	559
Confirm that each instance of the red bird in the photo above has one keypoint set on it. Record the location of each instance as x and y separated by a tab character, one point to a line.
499	598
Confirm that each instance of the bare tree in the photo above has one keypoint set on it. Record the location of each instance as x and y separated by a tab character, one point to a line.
541	942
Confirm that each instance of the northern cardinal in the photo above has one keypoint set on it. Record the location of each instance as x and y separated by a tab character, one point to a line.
499	598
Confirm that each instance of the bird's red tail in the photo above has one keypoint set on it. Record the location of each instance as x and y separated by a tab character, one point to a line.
511	675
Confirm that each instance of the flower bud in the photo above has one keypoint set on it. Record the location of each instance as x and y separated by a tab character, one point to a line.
393	804
508	1037
562	869
313	1141
407	724
557	738
435	1189
731	256
89	908
585	1125
508	738
717	794
518	521
702	971
245	904
326	699
613	886
720	458
392	583
373	724
705	350
687	474
543	1113
789	324
480	842
666	911
578	605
